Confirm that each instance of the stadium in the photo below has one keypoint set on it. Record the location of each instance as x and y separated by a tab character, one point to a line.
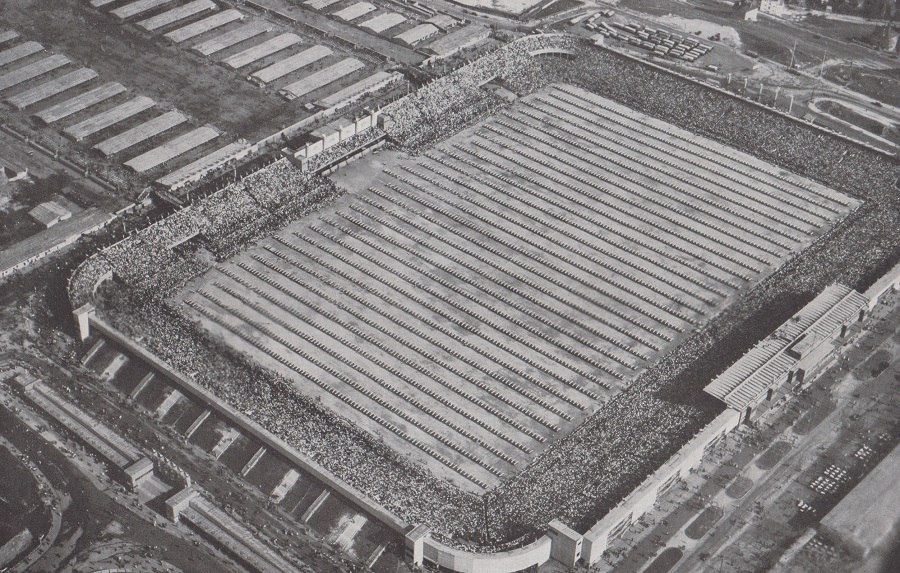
514	318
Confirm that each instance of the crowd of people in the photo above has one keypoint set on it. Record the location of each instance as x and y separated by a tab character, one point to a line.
591	470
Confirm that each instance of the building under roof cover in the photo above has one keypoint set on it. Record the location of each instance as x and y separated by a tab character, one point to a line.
140	133
18	52
320	4
866	520
109	117
801	345
176	14
52	88
80	102
261	50
172	149
205	25
32	70
383	22
232	37
290	64
359	89
415	35
8	36
136	8
355	11
458	40
50	213
322	78
443	21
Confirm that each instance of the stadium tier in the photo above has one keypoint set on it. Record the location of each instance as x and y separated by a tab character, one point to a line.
18	52
80	102
203	165
359	89
415	35
355	11
140	133
383	22
262	50
172	149
205	25
290	64
109	117
322	78
137	8
176	14
52	88
232	38
32	70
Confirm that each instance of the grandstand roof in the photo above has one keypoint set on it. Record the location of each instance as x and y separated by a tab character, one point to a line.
52	88
109	117
355	91
18	52
175	14
142	132
291	64
442	21
417	34
136	8
204	25
319	4
355	11
458	40
32	70
209	161
80	102
382	22
233	37
8	36
866	518
172	149
260	51
745	380
321	78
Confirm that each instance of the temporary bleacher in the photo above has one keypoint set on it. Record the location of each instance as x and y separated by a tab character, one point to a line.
80	102
172	149
234	37
262	50
32	70
140	133
321	78
176	14
52	88
109	117
205	25
290	64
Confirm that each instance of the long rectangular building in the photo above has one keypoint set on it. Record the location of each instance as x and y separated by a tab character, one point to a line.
80	102
140	133
290	64
52	88
101	3
205	25
196	169
321	78
260	51
458	40
320	4
232	38
355	11
383	22
172	149
8	36
32	70
109	117
800	347
415	35
359	89
18	52
136	8
176	14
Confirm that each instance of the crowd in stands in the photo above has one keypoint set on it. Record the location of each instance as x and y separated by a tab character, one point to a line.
588	472
336	152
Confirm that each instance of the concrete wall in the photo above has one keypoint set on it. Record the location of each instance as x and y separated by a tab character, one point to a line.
536	553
